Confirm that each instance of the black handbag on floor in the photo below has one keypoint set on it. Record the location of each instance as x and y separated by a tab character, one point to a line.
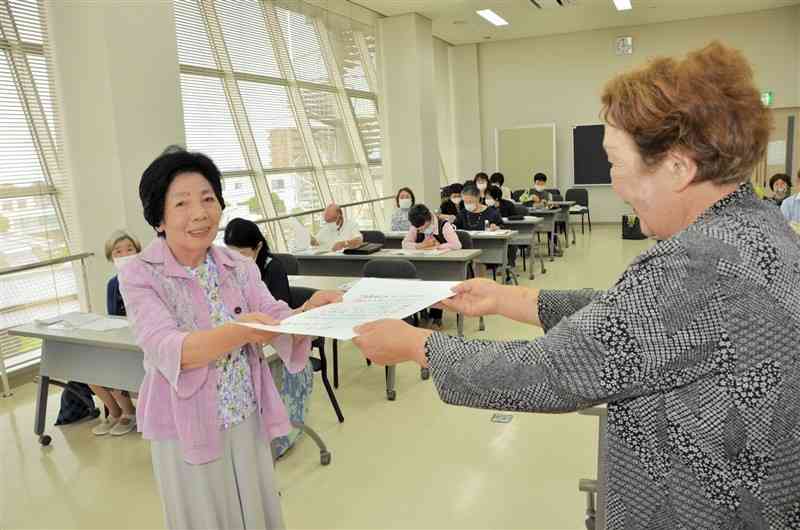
631	228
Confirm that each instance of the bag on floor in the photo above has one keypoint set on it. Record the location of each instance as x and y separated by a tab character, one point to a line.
631	228
73	408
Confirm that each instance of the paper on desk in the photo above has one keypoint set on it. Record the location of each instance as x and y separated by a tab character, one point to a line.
368	300
106	324
415	252
489	233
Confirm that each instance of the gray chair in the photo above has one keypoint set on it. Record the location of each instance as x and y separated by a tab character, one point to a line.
320	364
374	236
386	268
581	197
289	262
523	210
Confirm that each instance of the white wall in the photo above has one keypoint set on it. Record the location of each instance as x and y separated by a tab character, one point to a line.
559	78
117	80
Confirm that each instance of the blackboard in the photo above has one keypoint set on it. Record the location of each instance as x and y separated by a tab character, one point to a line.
591	163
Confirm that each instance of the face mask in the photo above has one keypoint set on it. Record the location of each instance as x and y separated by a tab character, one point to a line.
405	203
538	187
490	202
481	186
780	193
470	207
122	260
455	200
428	231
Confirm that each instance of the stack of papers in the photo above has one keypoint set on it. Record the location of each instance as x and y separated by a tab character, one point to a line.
368	300
577	208
85	321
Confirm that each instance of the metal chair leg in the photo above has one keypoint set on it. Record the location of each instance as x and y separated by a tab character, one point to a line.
335	364
324	373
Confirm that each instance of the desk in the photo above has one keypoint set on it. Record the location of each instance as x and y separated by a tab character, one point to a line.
107	358
547	225
450	266
597	490
526	234
494	247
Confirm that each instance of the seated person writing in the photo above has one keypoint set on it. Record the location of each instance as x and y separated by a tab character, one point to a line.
427	232
495	200
337	233
538	195
476	216
449	209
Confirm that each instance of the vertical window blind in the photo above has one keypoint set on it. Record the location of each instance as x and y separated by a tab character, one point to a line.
36	217
282	95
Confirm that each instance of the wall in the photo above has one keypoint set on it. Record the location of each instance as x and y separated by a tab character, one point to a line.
117	80
444	108
559	78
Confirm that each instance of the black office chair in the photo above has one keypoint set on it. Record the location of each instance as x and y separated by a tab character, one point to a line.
319	364
516	194
289	262
581	198
374	236
555	194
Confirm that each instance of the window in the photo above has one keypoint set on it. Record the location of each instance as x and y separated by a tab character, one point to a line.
34	215
282	94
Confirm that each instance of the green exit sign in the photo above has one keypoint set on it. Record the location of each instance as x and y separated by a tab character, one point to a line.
767	98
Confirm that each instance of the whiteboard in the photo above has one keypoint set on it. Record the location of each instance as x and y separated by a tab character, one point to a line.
524	151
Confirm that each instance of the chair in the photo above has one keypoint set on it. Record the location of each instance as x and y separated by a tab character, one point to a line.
289	262
581	198
516	194
319	364
555	194
374	236
385	268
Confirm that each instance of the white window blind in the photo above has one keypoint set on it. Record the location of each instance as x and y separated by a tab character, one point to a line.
36	219
282	94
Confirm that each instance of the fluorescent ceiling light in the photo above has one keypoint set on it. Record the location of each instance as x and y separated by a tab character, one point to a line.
623	5
492	17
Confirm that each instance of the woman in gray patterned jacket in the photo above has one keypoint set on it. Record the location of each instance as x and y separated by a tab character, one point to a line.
695	349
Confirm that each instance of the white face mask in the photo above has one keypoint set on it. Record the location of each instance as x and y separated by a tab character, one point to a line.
538	187
490	202
470	207
405	203
120	261
455	200
481	186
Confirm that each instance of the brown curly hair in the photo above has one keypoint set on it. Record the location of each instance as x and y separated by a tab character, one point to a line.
705	105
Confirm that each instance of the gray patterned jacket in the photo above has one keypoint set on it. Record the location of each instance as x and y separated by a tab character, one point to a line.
695	350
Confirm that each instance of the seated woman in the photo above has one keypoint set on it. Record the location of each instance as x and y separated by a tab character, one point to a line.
482	183
499	180
246	238
121	247
781	186
495	200
404	200
450	207
476	216
429	232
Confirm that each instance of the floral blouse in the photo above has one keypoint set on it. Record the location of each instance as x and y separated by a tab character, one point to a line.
236	398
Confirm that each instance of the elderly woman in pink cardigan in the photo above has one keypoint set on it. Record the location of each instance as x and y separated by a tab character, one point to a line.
208	403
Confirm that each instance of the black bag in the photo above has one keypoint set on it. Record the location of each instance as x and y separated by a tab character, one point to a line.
75	404
631	228
364	248
516	217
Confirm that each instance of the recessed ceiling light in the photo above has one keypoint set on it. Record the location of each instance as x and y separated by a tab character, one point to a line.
623	5
492	17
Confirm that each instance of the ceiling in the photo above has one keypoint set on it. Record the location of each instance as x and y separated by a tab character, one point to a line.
455	21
